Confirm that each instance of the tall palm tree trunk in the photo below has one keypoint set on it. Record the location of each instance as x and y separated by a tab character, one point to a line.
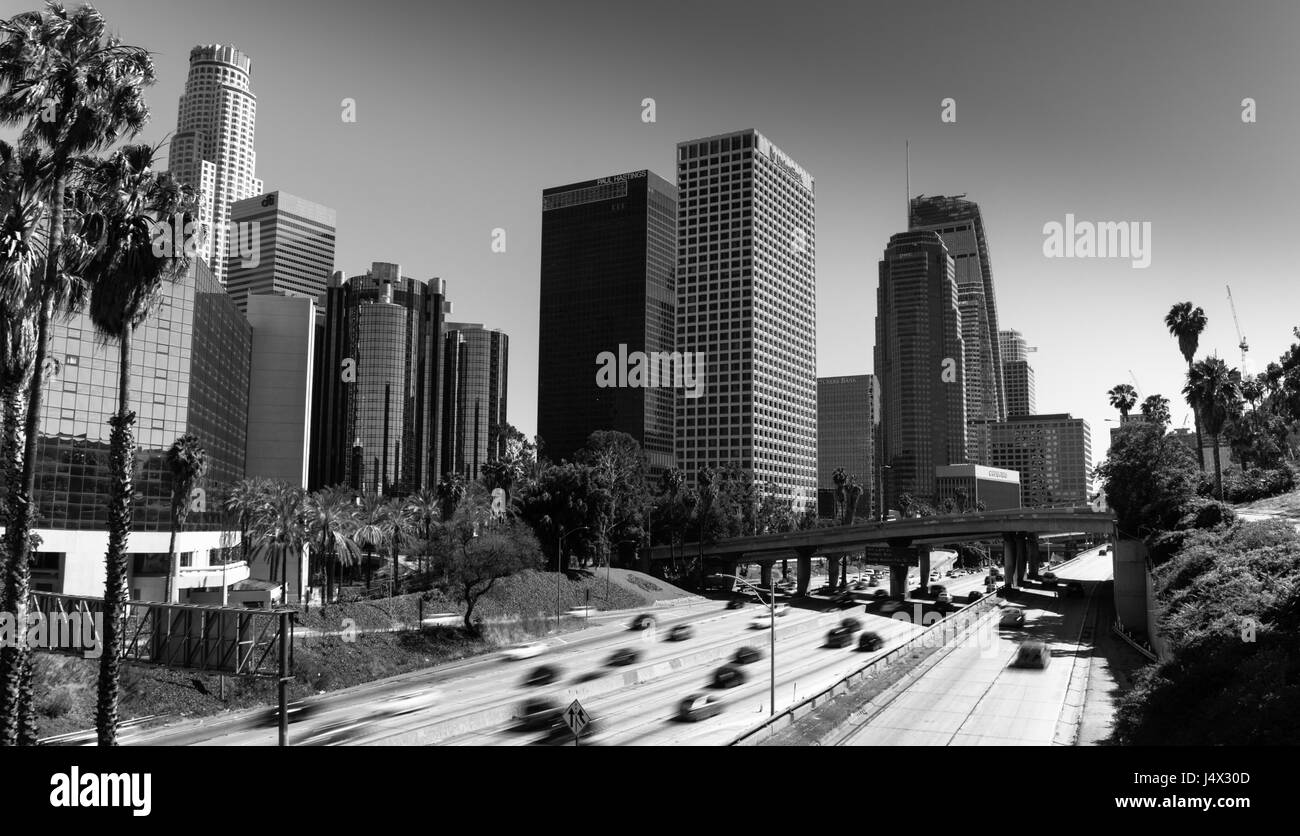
174	564
1196	417
121	463
1218	470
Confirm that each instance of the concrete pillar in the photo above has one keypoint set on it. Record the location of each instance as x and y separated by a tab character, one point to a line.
765	574
1035	553
804	570
1009	559
898	580
923	556
1022	558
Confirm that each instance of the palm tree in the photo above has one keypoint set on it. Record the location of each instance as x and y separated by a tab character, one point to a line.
670	485
244	501
1123	397
401	527
188	463
451	489
840	479
280	531
73	91
331	522
374	529
425	512
1155	408
1214	391
1186	323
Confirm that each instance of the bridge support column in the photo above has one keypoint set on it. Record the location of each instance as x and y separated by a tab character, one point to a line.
1022	558
1009	559
1035	554
898	580
765	574
804	570
923	556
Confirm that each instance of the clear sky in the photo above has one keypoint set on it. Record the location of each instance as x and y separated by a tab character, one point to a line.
1108	111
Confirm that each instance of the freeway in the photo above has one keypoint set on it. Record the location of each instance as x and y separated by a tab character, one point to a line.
972	697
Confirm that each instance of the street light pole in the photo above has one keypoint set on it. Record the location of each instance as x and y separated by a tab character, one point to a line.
771	629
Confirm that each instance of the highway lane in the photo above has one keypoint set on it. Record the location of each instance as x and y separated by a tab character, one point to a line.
972	697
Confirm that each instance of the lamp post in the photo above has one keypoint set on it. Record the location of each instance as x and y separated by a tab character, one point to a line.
771	627
559	558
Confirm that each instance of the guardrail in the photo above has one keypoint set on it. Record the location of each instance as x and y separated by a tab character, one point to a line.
1141	647
955	624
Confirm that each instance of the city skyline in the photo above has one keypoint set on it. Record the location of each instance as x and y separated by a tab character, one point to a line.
1000	142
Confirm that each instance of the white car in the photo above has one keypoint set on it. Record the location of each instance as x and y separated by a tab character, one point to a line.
782	609
762	622
524	651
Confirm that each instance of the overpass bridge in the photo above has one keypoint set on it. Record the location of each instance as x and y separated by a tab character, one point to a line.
902	544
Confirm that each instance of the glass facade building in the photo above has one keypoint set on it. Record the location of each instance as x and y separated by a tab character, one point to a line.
607	280
919	364
1053	454
475	370
1017	374
848	409
376	407
747	301
293	245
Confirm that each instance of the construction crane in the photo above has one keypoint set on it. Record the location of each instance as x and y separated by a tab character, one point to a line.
1242	344
1137	386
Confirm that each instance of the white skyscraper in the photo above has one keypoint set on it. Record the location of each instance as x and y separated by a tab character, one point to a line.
212	148
747	300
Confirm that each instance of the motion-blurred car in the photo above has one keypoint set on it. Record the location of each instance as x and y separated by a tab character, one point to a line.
943	598
642	622
297	710
1049	576
542	675
1074	589
1012	617
1033	654
844	600
974	595
760	622
873	581
851	624
559	733
336	733
681	633
524	651
880	593
623	656
400	705
747	655
699	707
937	589
728	676
839	637
870	641
782	609
825	589
537	713
890	607
860	586
736	604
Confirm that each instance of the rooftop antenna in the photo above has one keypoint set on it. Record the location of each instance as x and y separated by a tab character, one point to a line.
907	219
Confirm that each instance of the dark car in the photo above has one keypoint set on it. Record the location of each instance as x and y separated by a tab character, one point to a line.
1012	617
974	596
681	633
1033	654
298	710
880	593
538	713
559	733
543	675
870	641
1049	577
891	607
623	656
1074	589
937	589
851	624
728	676
736	603
746	655
839	637
844	600
642	622
699	707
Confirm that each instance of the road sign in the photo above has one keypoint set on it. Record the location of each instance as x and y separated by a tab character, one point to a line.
882	555
575	717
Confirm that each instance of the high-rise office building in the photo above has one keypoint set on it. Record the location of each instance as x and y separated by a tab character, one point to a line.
1053	454
377	409
1017	374
212	149
747	301
190	374
280	386
920	362
848	409
959	223
475	368
291	252
608	280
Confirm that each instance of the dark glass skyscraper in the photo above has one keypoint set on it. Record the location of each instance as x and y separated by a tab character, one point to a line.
920	361
475	368
608	248
377	410
848	409
959	223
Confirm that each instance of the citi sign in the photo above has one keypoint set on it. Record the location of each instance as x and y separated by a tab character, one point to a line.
654	369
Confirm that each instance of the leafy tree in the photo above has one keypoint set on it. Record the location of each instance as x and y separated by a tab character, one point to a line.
425	512
616	496
188	463
1186	323
331	520
555	505
1214	392
1148	479
1155	408
478	550
279	530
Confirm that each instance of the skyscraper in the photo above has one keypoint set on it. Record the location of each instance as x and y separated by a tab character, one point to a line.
377	410
293	253
608	280
920	363
959	223
475	368
747	300
848	409
1017	374
212	149
1053	454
